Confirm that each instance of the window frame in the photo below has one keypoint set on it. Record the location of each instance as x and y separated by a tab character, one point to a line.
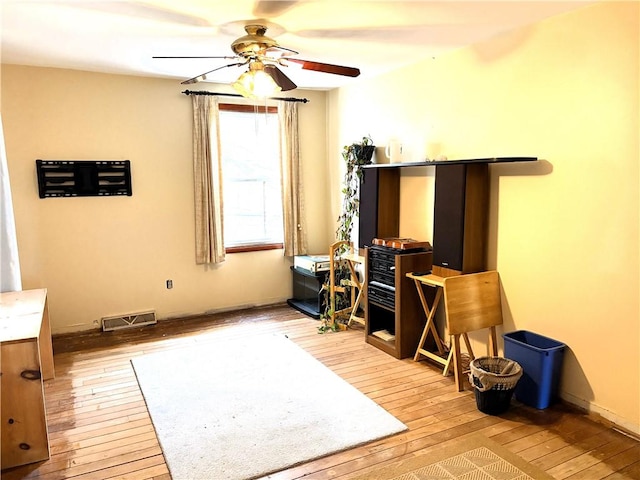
235	107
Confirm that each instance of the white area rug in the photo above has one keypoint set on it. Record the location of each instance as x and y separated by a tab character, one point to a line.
238	409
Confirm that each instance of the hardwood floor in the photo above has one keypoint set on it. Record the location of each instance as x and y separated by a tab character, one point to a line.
99	426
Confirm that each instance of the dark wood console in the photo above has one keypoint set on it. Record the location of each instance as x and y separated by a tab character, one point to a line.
394	320
393	315
460	213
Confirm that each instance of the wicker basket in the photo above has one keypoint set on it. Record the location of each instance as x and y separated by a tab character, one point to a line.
494	380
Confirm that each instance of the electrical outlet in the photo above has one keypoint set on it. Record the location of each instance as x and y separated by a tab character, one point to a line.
169	284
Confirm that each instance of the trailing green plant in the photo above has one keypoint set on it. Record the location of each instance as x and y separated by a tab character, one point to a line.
355	156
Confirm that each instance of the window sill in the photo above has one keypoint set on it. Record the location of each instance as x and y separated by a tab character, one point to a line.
254	248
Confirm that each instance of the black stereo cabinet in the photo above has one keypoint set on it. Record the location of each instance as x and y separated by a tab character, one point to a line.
308	297
393	314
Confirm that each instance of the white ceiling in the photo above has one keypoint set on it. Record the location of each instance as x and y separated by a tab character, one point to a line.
122	36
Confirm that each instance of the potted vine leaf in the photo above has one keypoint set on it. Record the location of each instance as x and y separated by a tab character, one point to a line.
355	156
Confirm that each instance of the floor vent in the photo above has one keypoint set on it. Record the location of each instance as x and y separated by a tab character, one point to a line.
110	324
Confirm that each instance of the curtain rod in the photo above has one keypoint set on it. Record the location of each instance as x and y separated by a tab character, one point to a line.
204	92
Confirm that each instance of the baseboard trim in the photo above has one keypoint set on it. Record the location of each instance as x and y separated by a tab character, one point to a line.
602	415
232	308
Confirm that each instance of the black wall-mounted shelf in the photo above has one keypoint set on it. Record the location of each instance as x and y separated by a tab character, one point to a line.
437	163
85	178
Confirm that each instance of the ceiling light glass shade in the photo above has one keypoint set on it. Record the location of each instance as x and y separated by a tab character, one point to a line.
256	83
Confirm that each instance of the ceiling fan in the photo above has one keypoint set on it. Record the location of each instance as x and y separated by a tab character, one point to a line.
263	56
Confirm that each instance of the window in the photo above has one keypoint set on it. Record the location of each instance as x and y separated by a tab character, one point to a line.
249	144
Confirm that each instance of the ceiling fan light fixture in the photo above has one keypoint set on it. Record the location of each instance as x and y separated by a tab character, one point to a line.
262	80
255	82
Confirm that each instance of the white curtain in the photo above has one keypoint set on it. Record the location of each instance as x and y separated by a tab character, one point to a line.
295	233
10	279
207	178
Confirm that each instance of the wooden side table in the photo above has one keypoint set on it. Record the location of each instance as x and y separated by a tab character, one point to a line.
472	302
441	357
26	359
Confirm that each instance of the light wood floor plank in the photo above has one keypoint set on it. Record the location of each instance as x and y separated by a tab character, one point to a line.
100	428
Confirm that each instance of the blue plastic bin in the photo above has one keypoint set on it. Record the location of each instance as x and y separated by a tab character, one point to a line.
541	361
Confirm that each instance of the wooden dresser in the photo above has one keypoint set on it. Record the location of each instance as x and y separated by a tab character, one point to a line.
26	360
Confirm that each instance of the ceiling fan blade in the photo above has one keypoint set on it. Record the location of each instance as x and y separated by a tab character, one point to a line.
392	34
142	10
278	50
225	58
203	76
272	8
326	67
280	78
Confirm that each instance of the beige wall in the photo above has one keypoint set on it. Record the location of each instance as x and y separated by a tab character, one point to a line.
102	256
564	231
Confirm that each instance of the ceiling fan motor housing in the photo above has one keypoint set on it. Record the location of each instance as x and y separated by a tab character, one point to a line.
254	43
263	53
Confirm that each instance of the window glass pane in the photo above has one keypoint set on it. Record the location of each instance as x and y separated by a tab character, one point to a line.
251	178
